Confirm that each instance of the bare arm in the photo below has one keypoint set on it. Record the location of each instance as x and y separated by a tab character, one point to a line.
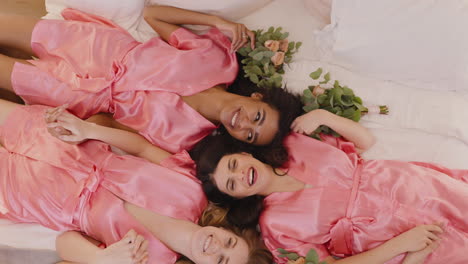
349	129
129	142
418	241
166	19
74	247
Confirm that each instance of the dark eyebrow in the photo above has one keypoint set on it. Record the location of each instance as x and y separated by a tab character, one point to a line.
259	123
263	118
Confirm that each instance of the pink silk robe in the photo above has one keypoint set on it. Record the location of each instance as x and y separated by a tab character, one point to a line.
67	187
95	66
355	205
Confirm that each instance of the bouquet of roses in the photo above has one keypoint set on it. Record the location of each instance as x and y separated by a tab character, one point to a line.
293	258
264	64
338	99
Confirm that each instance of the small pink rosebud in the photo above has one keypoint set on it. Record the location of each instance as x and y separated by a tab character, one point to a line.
283	45
272	45
318	91
278	58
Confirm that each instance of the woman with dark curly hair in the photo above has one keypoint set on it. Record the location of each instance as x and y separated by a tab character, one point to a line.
323	195
171	89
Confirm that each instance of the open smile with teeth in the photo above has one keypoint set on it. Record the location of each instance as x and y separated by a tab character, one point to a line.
207	243
235	119
251	177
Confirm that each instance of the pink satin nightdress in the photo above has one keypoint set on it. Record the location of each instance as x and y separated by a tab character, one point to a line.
95	66
354	205
67	187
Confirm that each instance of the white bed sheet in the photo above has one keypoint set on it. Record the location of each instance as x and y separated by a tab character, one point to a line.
422	125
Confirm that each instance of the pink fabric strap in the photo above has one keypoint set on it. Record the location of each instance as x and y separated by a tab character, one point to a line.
341	243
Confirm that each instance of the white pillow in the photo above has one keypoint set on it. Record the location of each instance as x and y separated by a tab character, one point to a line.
228	9
418	43
320	9
128	13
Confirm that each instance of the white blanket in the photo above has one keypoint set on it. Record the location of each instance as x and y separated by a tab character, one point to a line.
368	43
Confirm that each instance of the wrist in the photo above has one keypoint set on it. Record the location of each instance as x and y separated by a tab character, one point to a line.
90	130
217	21
394	246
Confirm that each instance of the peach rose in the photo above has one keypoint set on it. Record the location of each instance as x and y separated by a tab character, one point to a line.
272	45
283	45
300	260
318	91
278	58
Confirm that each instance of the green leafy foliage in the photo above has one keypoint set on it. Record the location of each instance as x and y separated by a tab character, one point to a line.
257	63
310	258
339	100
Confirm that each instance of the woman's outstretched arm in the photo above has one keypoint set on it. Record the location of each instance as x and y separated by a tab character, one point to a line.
419	242
352	131
73	247
129	142
165	20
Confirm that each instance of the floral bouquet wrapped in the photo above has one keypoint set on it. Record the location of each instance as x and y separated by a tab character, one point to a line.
293	258
264	64
338	99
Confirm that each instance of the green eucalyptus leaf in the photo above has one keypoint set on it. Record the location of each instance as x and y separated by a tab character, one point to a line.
284	35
254	78
326	78
356	116
265	60
347	100
268	53
321	98
357	100
256	70
347	91
308	93
310	106
278	30
349	113
360	107
258	56
298	44
312	256
336	84
271	29
292	256
290	46
316	74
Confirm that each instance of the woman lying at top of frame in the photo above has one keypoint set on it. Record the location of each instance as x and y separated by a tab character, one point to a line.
170	89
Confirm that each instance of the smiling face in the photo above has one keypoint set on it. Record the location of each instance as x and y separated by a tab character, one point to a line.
212	245
250	120
241	175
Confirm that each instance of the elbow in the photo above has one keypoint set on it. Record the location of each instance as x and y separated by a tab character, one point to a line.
150	12
369	142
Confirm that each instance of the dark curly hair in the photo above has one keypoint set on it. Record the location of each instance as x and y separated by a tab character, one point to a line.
207	153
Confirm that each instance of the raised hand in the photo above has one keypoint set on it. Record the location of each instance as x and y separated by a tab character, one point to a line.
129	250
309	122
240	34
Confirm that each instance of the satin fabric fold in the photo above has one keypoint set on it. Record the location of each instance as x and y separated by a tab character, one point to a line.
355	205
94	66
68	187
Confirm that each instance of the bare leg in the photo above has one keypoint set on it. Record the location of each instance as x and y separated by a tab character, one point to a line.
16	31
6	67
